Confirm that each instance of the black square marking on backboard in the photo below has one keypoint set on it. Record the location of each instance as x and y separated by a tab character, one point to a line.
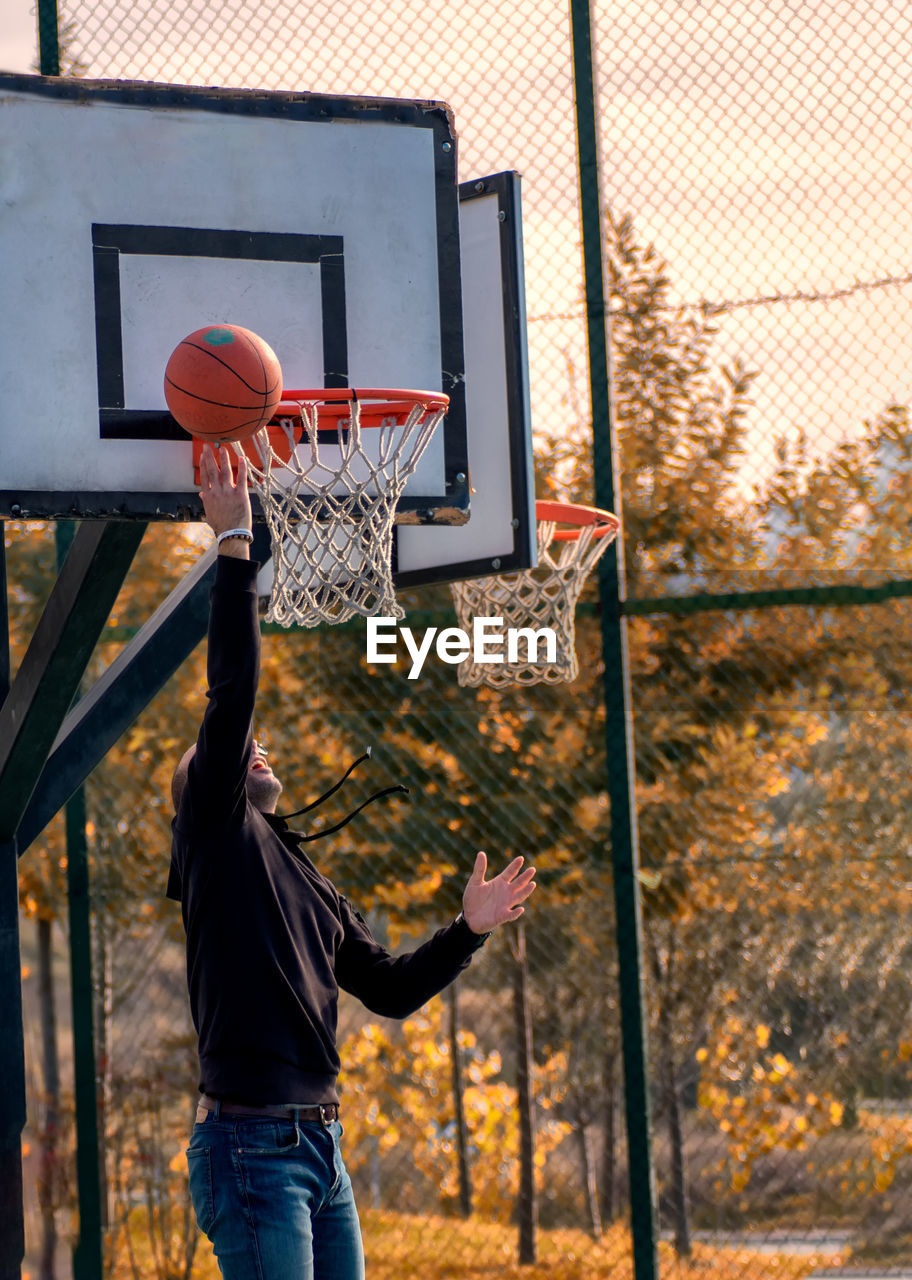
112	242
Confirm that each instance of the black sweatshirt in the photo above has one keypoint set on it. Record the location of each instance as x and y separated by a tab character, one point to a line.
269	940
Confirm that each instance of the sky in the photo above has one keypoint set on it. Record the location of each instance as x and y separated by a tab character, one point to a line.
18	41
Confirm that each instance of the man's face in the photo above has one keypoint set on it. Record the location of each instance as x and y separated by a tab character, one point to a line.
263	787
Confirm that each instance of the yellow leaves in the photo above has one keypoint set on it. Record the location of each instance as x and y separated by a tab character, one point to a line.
396	1088
137	738
781	1067
590	811
756	1097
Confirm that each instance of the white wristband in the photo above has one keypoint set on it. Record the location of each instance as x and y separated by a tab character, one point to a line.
234	533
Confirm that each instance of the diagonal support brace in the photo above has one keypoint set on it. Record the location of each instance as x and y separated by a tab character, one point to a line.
136	675
57	656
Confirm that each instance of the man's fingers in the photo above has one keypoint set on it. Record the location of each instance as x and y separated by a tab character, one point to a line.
513	874
481	866
206	465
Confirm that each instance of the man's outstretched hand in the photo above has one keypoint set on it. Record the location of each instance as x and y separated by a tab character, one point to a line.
488	903
226	500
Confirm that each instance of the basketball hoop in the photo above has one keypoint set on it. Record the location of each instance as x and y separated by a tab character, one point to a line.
330	502
544	597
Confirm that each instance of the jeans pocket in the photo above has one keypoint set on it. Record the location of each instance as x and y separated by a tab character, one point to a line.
199	1163
267	1139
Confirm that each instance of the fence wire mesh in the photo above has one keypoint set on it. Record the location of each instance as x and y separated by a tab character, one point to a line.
756	162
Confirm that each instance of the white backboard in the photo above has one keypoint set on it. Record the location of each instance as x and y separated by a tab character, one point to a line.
132	214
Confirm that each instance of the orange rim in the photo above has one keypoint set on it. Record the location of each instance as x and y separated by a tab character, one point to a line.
376	403
573	513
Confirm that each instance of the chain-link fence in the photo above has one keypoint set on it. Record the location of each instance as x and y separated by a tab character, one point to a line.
761	362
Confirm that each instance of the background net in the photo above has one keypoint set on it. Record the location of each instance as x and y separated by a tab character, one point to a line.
756	163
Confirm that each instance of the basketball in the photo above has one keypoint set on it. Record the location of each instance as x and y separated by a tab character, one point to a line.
223	383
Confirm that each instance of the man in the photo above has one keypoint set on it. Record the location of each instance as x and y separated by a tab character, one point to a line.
269	943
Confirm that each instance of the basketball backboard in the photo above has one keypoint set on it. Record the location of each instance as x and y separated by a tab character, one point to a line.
133	214
500	536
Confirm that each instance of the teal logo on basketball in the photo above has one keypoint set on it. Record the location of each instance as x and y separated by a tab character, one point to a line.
218	337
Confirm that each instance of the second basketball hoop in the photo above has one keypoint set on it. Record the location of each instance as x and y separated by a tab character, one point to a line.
571	540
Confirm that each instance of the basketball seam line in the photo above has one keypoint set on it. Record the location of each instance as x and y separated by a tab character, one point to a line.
220	404
267	393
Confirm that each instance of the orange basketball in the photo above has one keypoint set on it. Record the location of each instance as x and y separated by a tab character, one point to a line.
223	382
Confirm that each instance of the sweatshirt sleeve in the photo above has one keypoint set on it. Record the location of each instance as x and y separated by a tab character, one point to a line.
217	775
396	986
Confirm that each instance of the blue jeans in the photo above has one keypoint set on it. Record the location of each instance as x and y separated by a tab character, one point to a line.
275	1200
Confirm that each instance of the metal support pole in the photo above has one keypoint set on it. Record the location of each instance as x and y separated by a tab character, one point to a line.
12	1047
12	1070
618	714
87	1250
48	38
58	653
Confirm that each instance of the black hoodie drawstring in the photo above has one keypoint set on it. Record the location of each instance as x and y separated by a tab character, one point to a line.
332	790
378	795
318	835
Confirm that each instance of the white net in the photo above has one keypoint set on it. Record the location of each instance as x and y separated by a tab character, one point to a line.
530	631
330	507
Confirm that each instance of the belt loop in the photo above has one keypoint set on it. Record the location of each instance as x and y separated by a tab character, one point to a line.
218	1109
297	1124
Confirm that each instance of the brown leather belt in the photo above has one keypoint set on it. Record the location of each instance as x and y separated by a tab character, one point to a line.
324	1114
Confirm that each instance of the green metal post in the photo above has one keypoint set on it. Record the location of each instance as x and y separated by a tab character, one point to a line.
87	1251
48	38
618	713
12	1050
